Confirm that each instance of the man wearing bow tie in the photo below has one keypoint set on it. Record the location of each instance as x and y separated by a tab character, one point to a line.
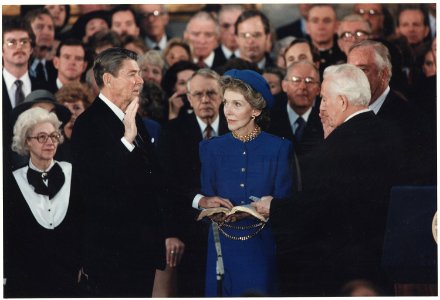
116	167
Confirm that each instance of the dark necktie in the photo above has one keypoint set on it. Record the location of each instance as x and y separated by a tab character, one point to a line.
55	179
232	56
201	64
19	95
207	133
41	75
157	48
301	124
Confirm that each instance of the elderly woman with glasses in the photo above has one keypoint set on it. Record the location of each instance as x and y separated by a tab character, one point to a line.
40	215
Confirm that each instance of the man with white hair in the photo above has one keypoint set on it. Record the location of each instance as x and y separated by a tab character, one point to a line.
332	231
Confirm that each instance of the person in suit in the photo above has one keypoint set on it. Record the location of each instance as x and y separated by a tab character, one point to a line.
296	28
202	33
154	19
124	21
41	23
18	43
246	162
298	119
41	214
227	17
182	170
119	180
332	231
252	29
70	62
374	59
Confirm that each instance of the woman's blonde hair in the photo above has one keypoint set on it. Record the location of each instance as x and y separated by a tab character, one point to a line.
25	124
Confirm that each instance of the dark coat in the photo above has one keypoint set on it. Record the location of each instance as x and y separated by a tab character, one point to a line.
291	29
122	238
280	125
333	230
219	58
179	155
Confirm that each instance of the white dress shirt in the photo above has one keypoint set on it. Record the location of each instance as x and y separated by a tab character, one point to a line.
209	61
152	44
12	87
376	105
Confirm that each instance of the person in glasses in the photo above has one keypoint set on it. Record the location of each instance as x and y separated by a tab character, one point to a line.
154	20
246	162
352	29
41	214
227	17
182	171
380	19
254	38
297	119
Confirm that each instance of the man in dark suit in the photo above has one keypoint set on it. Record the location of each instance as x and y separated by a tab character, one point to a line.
298	119
115	164
154	19
202	33
179	155
253	37
16	82
296	28
227	17
420	149
332	231
41	23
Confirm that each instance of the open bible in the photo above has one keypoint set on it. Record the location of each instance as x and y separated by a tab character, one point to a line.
242	208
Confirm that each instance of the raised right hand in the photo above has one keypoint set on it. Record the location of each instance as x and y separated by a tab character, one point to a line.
130	120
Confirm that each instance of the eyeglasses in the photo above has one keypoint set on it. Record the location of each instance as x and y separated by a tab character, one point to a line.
247	35
155	13
357	35
211	94
371	12
296	80
43	137
22	42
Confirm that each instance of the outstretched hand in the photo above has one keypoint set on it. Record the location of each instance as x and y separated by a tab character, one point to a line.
210	202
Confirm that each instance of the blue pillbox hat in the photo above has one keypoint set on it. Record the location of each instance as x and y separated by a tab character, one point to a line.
256	81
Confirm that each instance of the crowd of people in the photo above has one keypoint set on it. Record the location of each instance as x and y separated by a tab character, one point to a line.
116	135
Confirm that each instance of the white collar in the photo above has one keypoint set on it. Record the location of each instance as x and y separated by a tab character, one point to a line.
376	105
33	167
356	113
118	112
293	115
228	52
162	43
215	124
262	63
10	79
208	60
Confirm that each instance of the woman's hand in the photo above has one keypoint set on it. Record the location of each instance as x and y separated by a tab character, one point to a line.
174	251
175	103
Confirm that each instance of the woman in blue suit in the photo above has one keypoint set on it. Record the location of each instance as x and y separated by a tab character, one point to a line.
246	162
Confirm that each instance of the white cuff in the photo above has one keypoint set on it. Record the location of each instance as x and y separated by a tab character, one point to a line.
129	146
196	201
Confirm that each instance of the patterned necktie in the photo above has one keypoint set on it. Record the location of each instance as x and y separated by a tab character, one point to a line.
301	124
41	75
207	133
19	95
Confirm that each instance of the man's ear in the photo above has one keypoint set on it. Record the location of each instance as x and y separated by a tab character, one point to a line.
56	62
284	85
107	79
344	102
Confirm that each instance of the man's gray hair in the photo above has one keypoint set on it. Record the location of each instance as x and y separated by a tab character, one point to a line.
349	81
382	57
206	73
203	15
